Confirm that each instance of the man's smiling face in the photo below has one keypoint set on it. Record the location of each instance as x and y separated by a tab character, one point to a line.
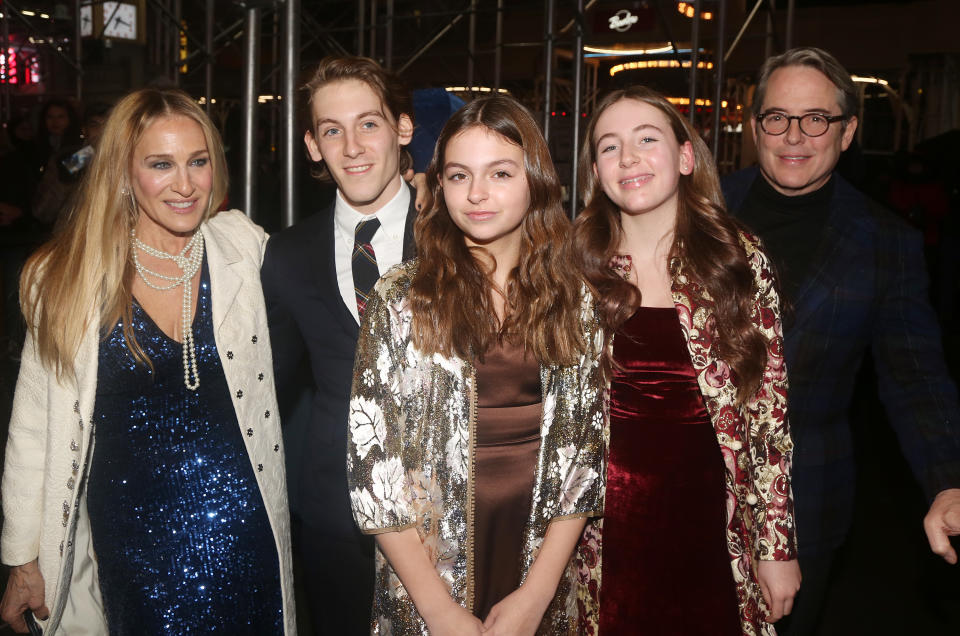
359	142
794	163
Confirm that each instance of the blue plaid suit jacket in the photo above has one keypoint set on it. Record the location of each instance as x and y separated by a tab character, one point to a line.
866	290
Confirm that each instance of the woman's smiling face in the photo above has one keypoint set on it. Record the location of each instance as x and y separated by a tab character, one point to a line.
485	187
638	158
171	177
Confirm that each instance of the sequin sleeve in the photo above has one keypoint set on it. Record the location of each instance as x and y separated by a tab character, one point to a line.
573	483
576	415
375	468
771	446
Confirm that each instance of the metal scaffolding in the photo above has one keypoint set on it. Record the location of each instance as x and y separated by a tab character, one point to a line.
577	101
368	26
12	14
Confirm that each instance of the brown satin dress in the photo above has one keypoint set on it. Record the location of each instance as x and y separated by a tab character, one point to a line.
507	443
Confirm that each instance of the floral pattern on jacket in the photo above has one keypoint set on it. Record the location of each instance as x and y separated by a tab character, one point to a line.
754	441
411	449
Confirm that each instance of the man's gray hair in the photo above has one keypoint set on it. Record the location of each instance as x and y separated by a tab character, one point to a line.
847	96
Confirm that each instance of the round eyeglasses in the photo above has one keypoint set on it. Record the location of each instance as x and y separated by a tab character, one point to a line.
811	124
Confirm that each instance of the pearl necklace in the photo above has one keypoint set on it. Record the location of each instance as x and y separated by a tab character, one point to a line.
190	265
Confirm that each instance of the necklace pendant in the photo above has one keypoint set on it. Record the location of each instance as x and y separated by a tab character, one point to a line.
189	267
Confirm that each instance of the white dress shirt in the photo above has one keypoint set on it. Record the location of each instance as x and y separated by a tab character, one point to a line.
387	242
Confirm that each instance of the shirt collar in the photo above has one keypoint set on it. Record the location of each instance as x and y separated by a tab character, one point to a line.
393	215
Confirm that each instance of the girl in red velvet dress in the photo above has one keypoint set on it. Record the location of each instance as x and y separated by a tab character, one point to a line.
698	534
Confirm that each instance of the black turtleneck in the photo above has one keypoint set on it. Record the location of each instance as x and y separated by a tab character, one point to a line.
790	227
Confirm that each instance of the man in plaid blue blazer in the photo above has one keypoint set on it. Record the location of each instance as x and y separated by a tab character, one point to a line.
853	278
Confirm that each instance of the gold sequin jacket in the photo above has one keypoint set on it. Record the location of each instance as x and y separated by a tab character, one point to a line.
411	451
754	441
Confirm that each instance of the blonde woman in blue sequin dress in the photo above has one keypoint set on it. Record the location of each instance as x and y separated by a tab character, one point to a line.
148	336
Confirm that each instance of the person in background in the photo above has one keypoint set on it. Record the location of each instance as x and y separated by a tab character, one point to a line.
147	325
17	179
853	274
19	232
66	167
476	416
432	108
59	127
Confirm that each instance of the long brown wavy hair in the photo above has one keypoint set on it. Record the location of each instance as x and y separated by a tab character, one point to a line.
86	269
706	245
450	296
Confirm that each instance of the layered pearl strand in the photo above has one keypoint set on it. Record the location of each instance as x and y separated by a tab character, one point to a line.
189	265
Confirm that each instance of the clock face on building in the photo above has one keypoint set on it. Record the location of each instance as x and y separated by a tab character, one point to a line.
120	20
86	20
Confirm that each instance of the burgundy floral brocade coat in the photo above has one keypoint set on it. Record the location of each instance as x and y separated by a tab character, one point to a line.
754	440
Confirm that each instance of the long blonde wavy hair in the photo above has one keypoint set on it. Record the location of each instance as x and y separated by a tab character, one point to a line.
85	271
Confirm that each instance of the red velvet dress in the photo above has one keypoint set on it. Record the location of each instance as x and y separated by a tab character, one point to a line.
666	569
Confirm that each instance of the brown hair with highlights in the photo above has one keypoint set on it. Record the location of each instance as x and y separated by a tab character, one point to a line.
450	297
395	97
706	244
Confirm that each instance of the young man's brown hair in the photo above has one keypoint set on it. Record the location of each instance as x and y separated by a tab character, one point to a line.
394	95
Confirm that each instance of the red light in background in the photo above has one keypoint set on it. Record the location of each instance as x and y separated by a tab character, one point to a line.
8	66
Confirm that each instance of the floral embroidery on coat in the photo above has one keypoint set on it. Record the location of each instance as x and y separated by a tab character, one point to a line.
410	454
754	440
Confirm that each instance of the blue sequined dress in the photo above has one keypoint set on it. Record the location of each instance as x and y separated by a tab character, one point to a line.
183	542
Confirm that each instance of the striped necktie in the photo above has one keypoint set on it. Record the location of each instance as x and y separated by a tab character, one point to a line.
365	271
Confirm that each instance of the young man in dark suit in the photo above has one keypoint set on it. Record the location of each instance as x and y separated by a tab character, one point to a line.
316	278
854	277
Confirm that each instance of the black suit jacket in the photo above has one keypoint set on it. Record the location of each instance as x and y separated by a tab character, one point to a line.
310	324
866	290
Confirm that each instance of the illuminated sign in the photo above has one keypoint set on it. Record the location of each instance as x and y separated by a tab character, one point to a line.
688	10
8	67
20	68
622	20
644	64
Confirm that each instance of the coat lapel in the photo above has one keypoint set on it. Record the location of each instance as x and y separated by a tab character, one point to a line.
222	258
830	263
695	311
325	265
409	247
86	367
